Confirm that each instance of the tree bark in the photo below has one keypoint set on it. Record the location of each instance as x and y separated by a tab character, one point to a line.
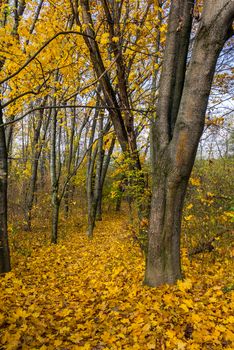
4	246
36	152
103	176
69	163
54	174
176	140
95	181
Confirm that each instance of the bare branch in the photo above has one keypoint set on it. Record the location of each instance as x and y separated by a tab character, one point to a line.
142	111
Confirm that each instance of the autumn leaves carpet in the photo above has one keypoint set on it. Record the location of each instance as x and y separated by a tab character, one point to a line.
85	294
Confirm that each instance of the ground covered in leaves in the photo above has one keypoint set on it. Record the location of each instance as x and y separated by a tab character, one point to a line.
85	294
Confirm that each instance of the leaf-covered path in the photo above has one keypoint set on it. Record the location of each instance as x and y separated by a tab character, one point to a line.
85	294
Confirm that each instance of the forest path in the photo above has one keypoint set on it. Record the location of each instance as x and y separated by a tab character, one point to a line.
83	294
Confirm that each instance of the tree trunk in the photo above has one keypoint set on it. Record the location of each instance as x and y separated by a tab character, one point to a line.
37	146
55	217
55	168
163	259
99	209
176	137
103	176
91	155
4	247
69	163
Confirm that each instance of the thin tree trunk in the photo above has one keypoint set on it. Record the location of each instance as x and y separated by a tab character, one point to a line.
54	174
91	156
99	164
95	183
36	149
4	246
69	162
103	176
55	216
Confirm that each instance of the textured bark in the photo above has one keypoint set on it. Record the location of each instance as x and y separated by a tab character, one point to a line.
55	217
99	166
69	163
91	156
108	91
176	139
103	176
54	175
123	122
4	247
4	145
96	172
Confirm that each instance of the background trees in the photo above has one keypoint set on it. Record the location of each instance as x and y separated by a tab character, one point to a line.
90	87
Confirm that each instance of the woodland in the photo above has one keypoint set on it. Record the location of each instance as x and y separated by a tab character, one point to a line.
116	174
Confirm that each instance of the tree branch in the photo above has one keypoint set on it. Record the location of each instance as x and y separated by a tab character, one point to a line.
142	111
40	49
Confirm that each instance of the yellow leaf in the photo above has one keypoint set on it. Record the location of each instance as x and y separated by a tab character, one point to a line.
168	299
20	313
230	319
188	302
146	328
57	342
115	39
180	345
221	328
104	38
171	334
184	285
188	218
229	335
184	307
163	28
2	318
195	318
43	347
195	181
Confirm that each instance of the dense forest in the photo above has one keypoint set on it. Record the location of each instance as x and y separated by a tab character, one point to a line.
116	173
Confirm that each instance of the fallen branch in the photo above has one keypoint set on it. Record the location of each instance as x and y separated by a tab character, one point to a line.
206	246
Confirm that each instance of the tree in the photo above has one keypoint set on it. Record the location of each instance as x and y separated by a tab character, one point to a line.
37	146
4	247
184	90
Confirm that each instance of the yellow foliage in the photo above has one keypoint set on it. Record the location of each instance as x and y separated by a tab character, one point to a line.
104	38
195	181
115	39
85	294
184	285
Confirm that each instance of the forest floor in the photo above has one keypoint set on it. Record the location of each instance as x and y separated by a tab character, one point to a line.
83	294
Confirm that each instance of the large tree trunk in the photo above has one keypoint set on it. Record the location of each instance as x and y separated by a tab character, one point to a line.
4	247
163	259
177	136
